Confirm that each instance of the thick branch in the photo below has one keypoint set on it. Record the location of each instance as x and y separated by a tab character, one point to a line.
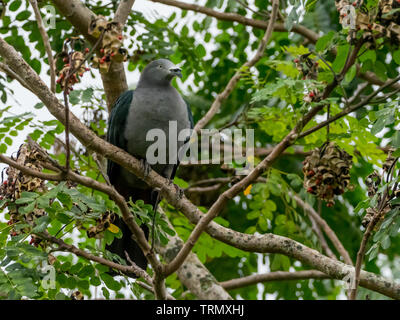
192	273
123	11
270	243
273	276
6	69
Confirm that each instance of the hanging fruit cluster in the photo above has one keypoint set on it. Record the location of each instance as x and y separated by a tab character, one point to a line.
327	172
73	57
102	224
111	43
309	69
384	196
16	183
378	21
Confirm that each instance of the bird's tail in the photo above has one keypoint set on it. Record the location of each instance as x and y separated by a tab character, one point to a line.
126	244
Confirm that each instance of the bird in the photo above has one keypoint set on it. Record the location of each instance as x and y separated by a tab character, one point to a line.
152	105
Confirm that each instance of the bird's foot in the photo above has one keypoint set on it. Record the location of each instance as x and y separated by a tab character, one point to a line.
145	167
179	192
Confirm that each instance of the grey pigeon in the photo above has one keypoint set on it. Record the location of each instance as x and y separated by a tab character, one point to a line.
152	105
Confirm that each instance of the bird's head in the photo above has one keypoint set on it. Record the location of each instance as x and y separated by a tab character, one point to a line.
160	72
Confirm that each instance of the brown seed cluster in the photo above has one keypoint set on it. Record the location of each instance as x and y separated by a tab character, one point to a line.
327	172
16	183
309	70
74	63
77	295
377	22
102	224
111	43
374	183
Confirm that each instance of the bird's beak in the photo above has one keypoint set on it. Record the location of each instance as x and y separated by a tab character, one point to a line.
176	72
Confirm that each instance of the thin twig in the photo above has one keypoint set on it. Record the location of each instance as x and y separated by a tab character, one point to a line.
47	46
350	109
138	271
325	227
101	169
71	71
383	203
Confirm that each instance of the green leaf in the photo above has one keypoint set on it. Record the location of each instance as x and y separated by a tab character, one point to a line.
396	140
14	6
110	282
323	41
86	271
41	224
39	105
23	15
396	56
341	57
380	70
201	51
350	74
87	95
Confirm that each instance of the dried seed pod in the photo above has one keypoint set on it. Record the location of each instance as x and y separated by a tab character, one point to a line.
378	21
77	295
372	182
368	217
111	43
376	183
17	183
327	172
97	26
102	224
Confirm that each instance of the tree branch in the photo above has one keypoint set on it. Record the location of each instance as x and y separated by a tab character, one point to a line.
46	43
351	109
123	11
13	75
62	246
272	276
234	17
119	200
192	273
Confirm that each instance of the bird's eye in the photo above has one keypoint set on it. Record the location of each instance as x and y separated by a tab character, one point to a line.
160	66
